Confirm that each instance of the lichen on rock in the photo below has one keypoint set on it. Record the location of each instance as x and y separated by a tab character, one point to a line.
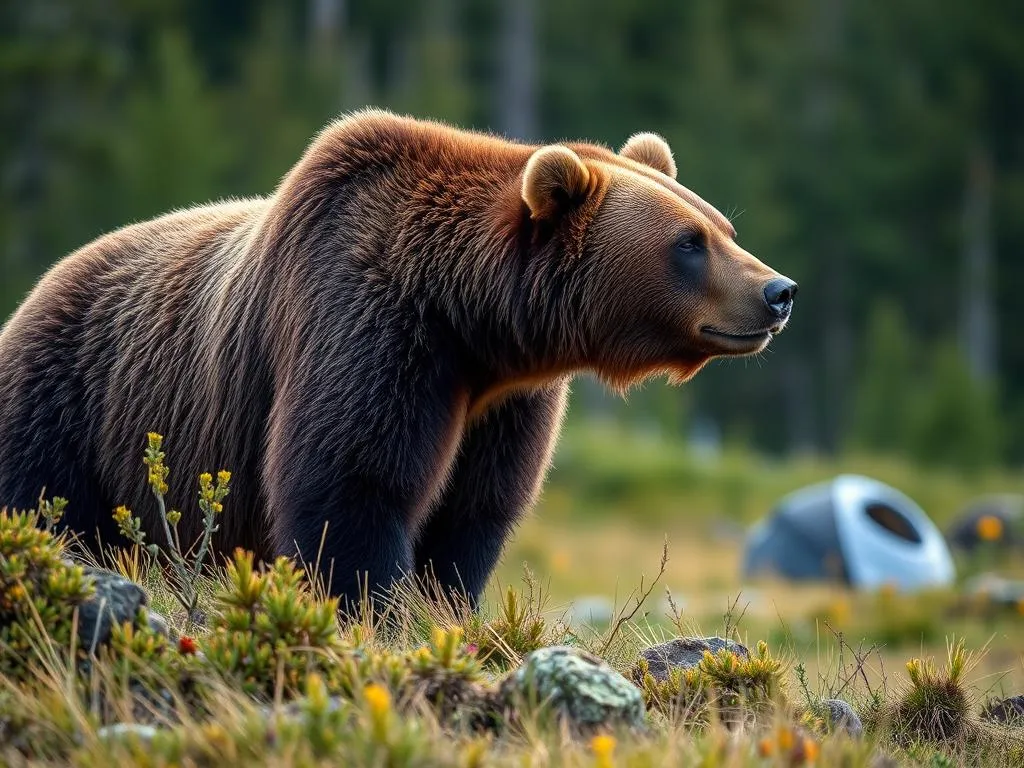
579	687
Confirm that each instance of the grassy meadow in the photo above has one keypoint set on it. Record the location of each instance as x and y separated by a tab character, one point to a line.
614	497
260	673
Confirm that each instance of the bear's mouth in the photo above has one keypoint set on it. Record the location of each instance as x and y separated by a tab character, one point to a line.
740	343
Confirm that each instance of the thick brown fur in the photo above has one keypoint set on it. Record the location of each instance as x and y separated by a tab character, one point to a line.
383	346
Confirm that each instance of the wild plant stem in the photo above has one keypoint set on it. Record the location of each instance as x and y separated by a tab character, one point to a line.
174	557
204	545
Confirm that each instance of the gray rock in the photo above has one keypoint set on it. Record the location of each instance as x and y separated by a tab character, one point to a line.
159	624
841	715
115	601
684	652
580	687
127	731
1009	711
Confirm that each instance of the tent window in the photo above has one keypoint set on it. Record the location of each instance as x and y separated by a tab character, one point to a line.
894	522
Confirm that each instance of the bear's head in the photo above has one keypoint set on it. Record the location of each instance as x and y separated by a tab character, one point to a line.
667	287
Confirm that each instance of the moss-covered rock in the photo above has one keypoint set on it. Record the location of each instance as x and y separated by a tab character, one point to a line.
577	686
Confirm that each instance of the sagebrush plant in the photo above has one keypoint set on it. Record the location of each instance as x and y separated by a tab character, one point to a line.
519	628
39	590
447	676
732	686
936	705
185	564
269	632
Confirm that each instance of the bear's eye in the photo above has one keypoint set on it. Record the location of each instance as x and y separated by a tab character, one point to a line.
690	243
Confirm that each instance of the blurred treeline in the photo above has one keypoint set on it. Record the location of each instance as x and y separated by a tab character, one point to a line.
874	151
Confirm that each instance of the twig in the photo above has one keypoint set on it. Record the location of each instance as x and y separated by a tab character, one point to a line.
860	661
643	595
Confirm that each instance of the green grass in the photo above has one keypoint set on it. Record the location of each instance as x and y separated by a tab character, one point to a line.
614	497
276	685
605	470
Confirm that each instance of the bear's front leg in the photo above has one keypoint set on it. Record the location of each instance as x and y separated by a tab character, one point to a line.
350	462
496	479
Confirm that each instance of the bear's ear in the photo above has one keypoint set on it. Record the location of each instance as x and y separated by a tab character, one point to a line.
555	179
650	150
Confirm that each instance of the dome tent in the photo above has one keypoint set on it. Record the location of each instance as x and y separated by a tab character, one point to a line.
851	529
1007	508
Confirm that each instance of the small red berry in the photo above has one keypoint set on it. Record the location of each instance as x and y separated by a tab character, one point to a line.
187	646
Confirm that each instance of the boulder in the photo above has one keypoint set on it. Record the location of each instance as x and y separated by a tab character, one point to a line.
159	625
684	652
582	689
1009	711
115	601
841	716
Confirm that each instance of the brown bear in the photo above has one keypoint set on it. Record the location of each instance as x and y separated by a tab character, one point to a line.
381	348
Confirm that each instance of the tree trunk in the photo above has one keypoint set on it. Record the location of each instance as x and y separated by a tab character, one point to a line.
977	326
837	336
517	107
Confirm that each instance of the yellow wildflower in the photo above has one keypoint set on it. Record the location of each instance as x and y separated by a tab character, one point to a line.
810	751
17	592
989	528
839	611
122	514
377	698
603	747
378	701
785	739
223	477
561	561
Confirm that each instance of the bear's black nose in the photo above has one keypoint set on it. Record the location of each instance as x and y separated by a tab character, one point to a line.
778	294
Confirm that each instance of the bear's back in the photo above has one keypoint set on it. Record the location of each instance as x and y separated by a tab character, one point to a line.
105	344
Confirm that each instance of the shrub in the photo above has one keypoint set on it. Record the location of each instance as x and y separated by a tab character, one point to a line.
269	630
734	686
936	706
39	590
448	678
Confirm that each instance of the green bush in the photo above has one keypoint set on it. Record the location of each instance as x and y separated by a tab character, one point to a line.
39	592
269	630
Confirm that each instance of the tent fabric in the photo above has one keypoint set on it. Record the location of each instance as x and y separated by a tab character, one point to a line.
1008	508
850	529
